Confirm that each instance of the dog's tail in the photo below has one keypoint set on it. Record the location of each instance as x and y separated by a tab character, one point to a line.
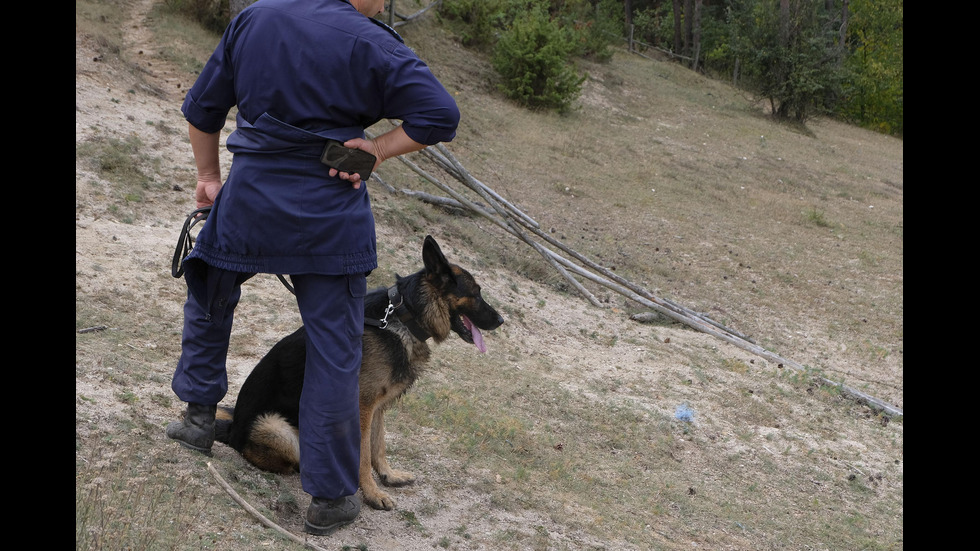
222	424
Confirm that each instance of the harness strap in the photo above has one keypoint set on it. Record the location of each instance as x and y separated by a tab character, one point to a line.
405	315
397	306
383	322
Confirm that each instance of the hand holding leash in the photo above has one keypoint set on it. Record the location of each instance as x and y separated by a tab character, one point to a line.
207	190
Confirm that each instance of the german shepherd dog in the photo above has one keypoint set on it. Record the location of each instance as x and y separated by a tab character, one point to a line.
430	303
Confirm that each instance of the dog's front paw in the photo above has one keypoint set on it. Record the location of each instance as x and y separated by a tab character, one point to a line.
397	478
379	500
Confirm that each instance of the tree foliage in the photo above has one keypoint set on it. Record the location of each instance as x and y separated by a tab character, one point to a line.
788	53
839	57
477	22
874	95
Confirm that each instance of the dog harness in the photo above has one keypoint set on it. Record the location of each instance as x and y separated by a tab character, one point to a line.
397	306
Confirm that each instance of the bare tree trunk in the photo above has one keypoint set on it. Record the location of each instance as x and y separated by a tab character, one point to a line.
678	34
780	105
784	23
629	21
688	27
696	35
842	40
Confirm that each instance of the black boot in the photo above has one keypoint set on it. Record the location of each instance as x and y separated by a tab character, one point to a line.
327	515
196	431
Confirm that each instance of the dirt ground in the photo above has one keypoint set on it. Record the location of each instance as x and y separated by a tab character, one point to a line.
128	259
131	257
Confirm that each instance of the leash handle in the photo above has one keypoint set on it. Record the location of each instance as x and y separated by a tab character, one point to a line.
184	244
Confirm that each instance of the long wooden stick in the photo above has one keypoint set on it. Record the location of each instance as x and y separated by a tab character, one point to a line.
514	222
434	199
726	336
481	190
454	168
238	499
408	18
503	224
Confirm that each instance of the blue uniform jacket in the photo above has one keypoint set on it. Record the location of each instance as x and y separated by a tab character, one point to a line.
302	71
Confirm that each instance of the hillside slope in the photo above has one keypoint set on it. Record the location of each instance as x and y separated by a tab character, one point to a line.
566	435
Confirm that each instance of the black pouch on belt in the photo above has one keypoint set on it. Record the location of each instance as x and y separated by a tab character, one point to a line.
348	160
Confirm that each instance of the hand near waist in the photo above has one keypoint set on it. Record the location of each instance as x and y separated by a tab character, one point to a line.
353	177
207	189
390	144
205	147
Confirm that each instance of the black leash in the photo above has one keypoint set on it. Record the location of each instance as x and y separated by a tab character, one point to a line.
396	304
184	245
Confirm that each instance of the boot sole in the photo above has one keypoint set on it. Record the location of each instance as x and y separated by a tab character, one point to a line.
205	451
325	530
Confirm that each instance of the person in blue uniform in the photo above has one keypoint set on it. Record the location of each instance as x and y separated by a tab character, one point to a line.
299	72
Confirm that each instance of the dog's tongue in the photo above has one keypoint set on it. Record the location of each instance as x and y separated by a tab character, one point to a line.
477	336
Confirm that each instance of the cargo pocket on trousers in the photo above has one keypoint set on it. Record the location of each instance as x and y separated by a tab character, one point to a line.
356	290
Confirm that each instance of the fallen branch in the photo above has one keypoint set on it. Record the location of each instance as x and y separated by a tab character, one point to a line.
512	220
456	169
481	190
386	185
708	320
723	334
408	18
434	199
500	222
238	499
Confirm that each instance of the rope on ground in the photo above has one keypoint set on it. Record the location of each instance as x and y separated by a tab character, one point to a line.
238	499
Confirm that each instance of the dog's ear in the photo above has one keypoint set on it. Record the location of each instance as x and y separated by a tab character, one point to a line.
436	265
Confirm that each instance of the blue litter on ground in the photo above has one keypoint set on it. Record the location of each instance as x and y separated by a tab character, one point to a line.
684	413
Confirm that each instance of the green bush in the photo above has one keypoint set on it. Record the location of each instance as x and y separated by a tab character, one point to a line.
533	57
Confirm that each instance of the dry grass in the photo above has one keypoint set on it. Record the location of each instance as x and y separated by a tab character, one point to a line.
567	434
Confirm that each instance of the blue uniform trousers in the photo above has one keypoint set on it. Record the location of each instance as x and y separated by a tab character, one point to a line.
332	308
